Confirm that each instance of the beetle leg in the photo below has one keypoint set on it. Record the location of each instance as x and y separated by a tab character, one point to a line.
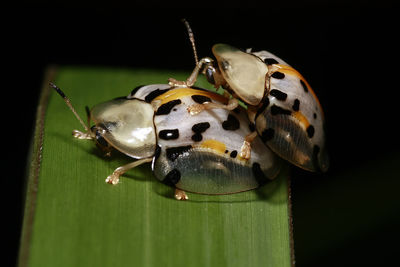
175	83
193	77
180	194
197	108
82	135
245	150
114	177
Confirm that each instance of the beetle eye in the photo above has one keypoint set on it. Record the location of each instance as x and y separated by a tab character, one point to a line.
210	74
100	141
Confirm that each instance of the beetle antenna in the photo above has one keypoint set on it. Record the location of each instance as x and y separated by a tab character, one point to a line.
68	102
191	38
87	115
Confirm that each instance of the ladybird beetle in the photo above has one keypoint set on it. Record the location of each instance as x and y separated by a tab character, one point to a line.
197	154
280	103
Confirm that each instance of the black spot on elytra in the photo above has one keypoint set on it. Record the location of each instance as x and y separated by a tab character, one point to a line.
174	152
304	86
166	108
200	99
134	90
276	110
150	97
267	134
258	174
263	107
310	131
270	61
278	75
278	94
315	115
197	137
200	127
233	154
226	151
172	178
169	134
231	123
296	105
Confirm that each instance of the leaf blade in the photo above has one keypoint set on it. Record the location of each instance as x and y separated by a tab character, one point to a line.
82	221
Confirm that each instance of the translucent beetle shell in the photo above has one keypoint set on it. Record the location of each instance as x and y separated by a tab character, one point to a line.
192	153
200	153
285	110
127	126
290	119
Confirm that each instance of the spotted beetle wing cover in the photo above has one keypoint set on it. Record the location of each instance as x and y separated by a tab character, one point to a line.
291	119
269	58
201	153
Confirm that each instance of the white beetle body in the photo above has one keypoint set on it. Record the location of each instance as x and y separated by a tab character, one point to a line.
281	104
295	114
192	153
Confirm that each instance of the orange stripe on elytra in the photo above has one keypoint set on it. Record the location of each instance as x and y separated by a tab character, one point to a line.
301	118
291	71
181	92
218	147
214	144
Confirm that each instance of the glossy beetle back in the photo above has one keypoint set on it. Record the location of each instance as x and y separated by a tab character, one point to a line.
290	120
244	72
202	153
127	125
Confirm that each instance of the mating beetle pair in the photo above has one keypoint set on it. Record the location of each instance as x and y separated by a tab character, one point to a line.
202	142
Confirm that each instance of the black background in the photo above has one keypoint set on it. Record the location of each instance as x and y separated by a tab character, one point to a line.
348	53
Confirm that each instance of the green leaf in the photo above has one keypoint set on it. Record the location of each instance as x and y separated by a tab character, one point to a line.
73	218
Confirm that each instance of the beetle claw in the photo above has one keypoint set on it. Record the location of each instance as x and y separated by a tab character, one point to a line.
175	83
195	109
113	179
180	194
81	135
245	150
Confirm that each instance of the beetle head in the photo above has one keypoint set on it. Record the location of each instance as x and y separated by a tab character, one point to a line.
125	124
212	73
97	133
